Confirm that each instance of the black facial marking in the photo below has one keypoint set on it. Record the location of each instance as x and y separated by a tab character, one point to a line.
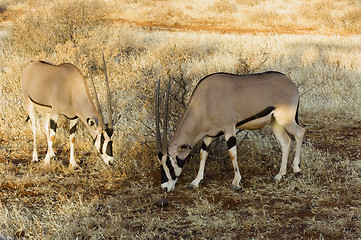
53	125
231	142
258	115
109	131
180	162
164	176
109	150
160	155
94	139
102	140
73	129
171	169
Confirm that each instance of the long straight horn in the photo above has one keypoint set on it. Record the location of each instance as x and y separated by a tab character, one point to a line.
157	123
110	121
96	95
165	141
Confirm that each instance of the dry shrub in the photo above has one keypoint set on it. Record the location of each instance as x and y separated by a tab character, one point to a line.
59	22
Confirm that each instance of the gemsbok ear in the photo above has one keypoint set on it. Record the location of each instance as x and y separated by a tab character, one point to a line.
92	122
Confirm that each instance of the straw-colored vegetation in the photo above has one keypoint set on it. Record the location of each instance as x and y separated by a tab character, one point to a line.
185	40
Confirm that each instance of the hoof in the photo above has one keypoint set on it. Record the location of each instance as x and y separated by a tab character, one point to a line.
191	186
278	179
74	168
236	188
298	174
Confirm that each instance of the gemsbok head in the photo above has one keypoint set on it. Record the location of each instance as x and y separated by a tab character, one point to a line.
62	90
222	103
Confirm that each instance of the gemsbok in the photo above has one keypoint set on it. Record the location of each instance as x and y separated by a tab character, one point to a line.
222	103
62	90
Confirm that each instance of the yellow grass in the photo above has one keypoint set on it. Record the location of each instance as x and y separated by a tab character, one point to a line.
316	43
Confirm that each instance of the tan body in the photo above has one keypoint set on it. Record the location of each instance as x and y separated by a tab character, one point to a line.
223	102
60	90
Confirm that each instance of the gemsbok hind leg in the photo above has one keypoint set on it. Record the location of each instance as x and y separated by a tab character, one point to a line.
298	132
203	157
232	151
285	142
32	115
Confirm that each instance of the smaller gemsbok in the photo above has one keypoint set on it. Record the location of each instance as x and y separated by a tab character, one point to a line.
62	90
220	104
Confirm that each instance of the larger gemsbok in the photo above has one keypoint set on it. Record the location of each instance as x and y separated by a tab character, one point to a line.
220	104
62	90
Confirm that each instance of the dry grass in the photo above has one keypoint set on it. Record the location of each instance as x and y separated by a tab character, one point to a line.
99	202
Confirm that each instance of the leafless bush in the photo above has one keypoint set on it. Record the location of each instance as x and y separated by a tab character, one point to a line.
60	22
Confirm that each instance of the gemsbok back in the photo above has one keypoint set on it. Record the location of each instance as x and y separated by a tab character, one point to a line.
220	104
62	90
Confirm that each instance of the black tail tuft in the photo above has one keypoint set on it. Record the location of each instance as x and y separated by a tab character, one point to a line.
27	119
296	117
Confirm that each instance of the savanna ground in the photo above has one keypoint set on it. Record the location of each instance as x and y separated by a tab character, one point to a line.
317	43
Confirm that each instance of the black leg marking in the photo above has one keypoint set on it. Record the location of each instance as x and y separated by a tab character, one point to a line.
204	147
258	115
53	125
180	162
164	176
171	169
231	142
102	140
73	129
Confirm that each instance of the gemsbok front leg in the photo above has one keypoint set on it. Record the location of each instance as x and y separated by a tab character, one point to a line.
203	157
232	151
72	129
50	121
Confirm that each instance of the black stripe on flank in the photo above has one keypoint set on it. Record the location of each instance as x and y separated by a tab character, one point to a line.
258	115
40	104
46	63
171	169
231	142
53	125
218	135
